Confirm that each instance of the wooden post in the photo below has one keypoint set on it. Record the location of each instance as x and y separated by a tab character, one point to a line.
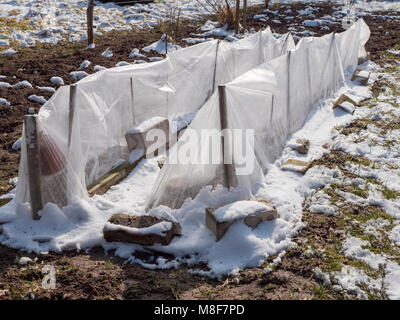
237	16
288	90
244	13
72	98
215	67
33	161
133	103
230	178
89	18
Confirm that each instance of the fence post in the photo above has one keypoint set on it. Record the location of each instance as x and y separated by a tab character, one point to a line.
237	16
308	67
215	67
133	103
33	161
89	20
260	49
230	178
72	99
288	90
244	13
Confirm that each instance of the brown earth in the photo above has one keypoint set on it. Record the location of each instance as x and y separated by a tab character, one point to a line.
95	275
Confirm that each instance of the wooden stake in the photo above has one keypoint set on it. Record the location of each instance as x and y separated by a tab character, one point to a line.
237	16
89	18
288	90
215	67
230	178
133	103
244	13
33	160
72	98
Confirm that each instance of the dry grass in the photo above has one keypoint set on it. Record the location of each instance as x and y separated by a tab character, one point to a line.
224	10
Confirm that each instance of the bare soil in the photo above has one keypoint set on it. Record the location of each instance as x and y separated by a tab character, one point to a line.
95	275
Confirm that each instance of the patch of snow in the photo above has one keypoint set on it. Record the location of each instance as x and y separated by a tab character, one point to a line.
90	46
9	52
122	64
158	229
57	80
107	53
239	209
4	85
161	46
99	68
4	102
48	89
24	261
85	64
78	75
37	99
145	125
17	145
135	54
22	84
4	42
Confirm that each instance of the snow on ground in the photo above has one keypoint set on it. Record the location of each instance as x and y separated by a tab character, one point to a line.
372	183
50	21
162	46
80	224
38	99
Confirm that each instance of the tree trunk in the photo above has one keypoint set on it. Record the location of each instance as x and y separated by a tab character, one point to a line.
89	16
266	3
237	16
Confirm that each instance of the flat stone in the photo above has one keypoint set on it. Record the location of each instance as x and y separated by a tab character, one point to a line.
361	76
143	230
365	58
345	103
303	146
347	106
296	166
326	145
344	98
252	212
136	136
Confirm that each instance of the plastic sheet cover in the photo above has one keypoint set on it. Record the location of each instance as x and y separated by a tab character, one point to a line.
272	99
82	136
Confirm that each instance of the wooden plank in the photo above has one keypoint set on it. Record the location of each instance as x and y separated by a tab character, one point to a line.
115	176
112	178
